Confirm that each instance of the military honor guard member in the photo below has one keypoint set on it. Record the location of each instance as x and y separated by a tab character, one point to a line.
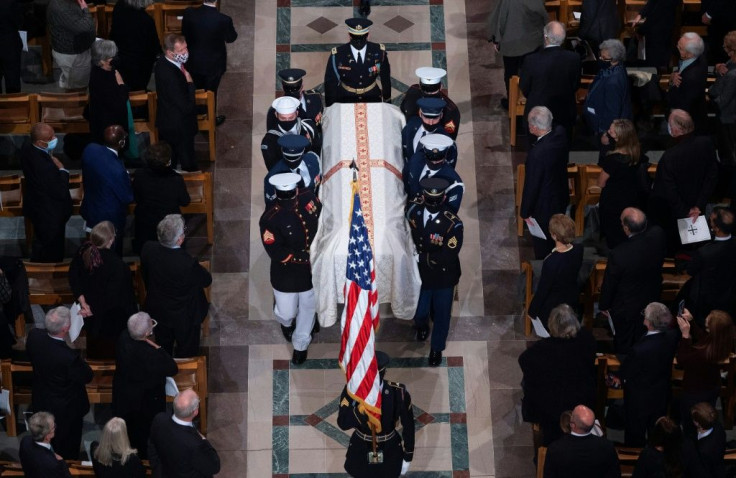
358	72
438	235
430	162
295	160
311	102
394	458
287	230
430	86
428	121
287	122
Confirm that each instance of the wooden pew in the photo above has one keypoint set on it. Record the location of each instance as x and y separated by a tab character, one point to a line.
18	113
63	111
541	457
144	124
590	194
11	196
192	374
206	122
199	186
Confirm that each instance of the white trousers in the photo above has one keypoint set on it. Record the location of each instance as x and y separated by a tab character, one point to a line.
75	69
299	305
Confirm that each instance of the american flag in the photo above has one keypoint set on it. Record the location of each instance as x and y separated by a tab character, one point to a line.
360	319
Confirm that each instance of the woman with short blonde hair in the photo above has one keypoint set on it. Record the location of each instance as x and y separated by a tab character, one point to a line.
113	456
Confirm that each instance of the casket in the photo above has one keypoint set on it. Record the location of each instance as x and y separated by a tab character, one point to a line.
370	135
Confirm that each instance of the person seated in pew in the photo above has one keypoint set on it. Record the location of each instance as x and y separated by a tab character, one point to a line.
37	456
112	456
103	286
710	440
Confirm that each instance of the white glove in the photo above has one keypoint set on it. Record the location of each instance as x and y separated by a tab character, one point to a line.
405	467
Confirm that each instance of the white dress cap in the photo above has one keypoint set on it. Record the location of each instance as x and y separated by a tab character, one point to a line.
438	142
429	75
285	181
285	105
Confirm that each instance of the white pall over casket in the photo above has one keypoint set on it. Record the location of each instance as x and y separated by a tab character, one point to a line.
370	134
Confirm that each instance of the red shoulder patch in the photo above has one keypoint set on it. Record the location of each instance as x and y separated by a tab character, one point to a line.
450	126
268	238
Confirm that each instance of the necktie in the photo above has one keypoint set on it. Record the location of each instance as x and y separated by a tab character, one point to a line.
183	70
360	59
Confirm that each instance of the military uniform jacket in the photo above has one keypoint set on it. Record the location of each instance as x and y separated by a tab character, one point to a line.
312	112
343	69
395	407
412	174
407	141
270	144
438	245
287	233
450	114
310	162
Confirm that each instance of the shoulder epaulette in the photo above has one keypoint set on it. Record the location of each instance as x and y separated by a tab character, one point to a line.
395	384
334	50
383	47
272	211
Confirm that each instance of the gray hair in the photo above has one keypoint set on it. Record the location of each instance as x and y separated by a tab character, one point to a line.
139	324
614	48
56	319
138	3
185	404
658	315
170	229
563	323
555	33
540	117
40	424
693	43
103	50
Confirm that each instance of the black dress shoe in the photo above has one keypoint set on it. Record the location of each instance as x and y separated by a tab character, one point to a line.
288	331
219	120
435	358
422	334
299	357
365	9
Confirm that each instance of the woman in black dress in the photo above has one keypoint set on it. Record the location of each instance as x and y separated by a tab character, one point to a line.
113	457
158	190
667	454
102	284
108	93
621	181
134	32
558	283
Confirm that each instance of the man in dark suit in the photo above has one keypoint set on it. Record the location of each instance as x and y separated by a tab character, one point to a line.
710	441
107	188
581	453
646	373
176	114
175	283
713	270
633	278
359	71
428	121
59	378
689	81
138	387
11	19
176	447
546	191
430	86
720	17
46	199
686	177
551	76
36	455
207	30
656	21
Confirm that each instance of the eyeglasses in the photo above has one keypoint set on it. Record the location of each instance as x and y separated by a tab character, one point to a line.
154	323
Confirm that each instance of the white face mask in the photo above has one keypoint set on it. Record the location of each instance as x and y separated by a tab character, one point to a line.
181	57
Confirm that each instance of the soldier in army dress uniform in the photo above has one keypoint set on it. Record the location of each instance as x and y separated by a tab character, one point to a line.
395	406
311	102
438	235
287	231
358	72
430	86
430	162
295	160
287	122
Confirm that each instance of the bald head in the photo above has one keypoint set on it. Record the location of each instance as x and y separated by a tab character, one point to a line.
680	123
554	33
41	134
186	405
582	420
114	137
633	221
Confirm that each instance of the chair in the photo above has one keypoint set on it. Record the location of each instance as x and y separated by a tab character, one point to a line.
627	458
146	123
206	122
11	196
18	113
590	194
64	111
603	392
199	186
517	103
193	374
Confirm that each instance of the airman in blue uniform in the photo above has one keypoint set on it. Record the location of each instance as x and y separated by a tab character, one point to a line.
430	162
295	160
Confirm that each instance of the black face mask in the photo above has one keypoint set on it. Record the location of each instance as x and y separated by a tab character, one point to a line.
358	41
434	155
285	196
295	91
115	62
435	165
605	64
433	203
293	162
287	125
430	90
430	128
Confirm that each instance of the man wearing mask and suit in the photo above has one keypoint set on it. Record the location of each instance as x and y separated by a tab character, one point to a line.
428	121
176	117
59	378
46	199
207	30
37	457
358	72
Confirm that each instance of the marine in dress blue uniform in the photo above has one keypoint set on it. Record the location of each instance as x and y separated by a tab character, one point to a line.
288	122
359	71
438	235
311	107
430	86
395	406
430	162
287	231
427	122
295	160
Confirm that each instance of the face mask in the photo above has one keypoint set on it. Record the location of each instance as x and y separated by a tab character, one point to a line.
432	204
51	145
669	129
435	165
430	90
286	196
181	57
293	162
604	64
430	127
287	125
610	139
358	41
294	94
